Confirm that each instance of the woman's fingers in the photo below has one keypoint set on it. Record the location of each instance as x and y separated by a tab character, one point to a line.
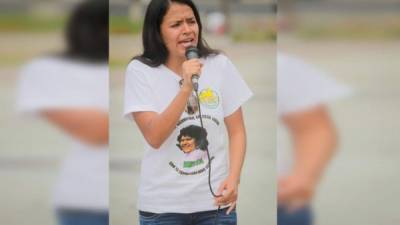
231	207
228	197
221	188
189	68
192	66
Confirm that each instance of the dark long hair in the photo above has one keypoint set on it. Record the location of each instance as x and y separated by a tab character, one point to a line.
86	33
155	52
196	132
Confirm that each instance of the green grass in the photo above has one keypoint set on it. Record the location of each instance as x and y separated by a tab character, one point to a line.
351	30
123	25
254	36
11	61
118	63
18	22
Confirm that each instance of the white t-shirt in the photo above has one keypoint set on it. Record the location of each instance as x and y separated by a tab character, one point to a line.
56	83
301	87
171	179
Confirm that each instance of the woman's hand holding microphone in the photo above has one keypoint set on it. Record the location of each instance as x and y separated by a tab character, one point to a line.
189	68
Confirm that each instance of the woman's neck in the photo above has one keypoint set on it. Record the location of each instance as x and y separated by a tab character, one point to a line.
175	64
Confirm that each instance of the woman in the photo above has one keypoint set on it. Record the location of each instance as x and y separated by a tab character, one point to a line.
157	89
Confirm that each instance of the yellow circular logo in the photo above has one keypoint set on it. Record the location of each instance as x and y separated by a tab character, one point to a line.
209	98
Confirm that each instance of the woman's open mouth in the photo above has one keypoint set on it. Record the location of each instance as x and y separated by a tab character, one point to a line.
187	42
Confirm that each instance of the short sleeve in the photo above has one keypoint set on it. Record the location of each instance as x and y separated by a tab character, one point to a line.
29	93
234	90
302	86
39	88
139	95
55	83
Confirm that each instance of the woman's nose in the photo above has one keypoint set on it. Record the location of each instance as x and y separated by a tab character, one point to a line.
186	28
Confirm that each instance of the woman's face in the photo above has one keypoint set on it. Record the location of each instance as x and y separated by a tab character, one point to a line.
179	29
187	144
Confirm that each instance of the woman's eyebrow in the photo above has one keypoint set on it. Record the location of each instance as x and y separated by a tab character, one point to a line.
170	22
180	20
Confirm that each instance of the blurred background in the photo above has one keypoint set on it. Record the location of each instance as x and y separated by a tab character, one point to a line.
245	31
31	149
357	43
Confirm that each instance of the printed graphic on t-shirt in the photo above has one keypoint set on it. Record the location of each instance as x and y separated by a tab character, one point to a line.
192	105
209	98
192	141
193	144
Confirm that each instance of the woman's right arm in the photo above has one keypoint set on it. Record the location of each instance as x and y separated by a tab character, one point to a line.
88	125
156	127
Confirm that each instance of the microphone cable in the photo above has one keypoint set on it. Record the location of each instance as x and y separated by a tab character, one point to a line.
191	53
209	159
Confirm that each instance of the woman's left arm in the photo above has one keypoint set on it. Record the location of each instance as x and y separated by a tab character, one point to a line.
237	149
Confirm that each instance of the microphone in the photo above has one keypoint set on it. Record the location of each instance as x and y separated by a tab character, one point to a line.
193	53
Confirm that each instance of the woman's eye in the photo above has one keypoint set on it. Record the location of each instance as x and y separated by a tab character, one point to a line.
175	25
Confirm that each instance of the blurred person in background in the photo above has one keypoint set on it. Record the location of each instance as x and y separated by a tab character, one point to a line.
172	190
70	91
216	23
303	94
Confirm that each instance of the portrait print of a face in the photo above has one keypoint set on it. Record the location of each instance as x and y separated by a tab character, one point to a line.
191	138
192	105
187	144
